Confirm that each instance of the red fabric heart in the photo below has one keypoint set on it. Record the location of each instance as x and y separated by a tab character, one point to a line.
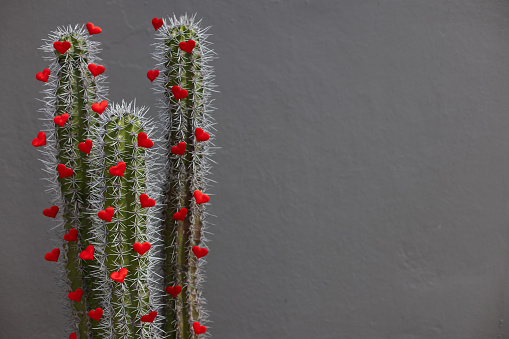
99	107
200	135
157	23
149	317
62	47
120	275
76	295
200	197
63	171
144	141
40	140
187	46
95	69
146	201
180	215
97	314
198	329
51	212
174	291
72	336
72	235
86	146
43	76
118	170
141	248
53	255
152	74
93	29
179	93
61	119
179	149
88	254
200	252
107	214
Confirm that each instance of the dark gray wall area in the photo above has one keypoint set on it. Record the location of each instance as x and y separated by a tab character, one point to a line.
363	180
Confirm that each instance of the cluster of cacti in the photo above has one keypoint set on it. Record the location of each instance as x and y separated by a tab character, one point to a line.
129	192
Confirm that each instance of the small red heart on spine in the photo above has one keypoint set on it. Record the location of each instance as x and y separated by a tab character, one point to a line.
118	170
51	212
63	171
174	291
146	201
40	140
95	69
72	336
157	23
187	46
43	76
88	254
72	235
200	252
107	214
152	74
179	149
96	314
180	215
62	47
93	29
76	295
61	119
149	317
141	248
120	275
179	93
200	197
200	135
53	255
198	329
144	141
86	146
99	107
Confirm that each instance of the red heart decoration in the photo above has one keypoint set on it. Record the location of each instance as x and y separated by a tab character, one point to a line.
97	314
95	69
40	140
174	291
146	201
86	146
200	252
43	76
76	295
61	119
51	212
53	255
187	46
88	254
72	235
120	275
151	75
107	214
180	215
179	149
99	107
141	248
62	47
63	171
200	135
198	329
157	23
200	197
144	141
93	29
118	170
179	93
72	336
149	317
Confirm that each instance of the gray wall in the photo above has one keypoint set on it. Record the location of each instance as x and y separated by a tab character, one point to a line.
363	180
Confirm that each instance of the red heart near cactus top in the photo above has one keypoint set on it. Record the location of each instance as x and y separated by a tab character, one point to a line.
187	46
62	47
157	23
93	29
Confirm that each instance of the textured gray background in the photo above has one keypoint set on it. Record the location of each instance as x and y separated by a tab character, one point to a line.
363	177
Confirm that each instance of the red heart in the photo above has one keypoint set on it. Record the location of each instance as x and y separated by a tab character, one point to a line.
118	170
61	119
200	252
95	69
151	75
76	295
62	47
174	291
40	140
179	93
146	201
180	215
180	149
93	29
99	107
72	235
88	254
63	171
120	275
149	317
157	23
187	46
51	212
53	255
86	146
198	329
97	314
141	248
72	336
107	214
200	197
43	76
200	135
144	141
